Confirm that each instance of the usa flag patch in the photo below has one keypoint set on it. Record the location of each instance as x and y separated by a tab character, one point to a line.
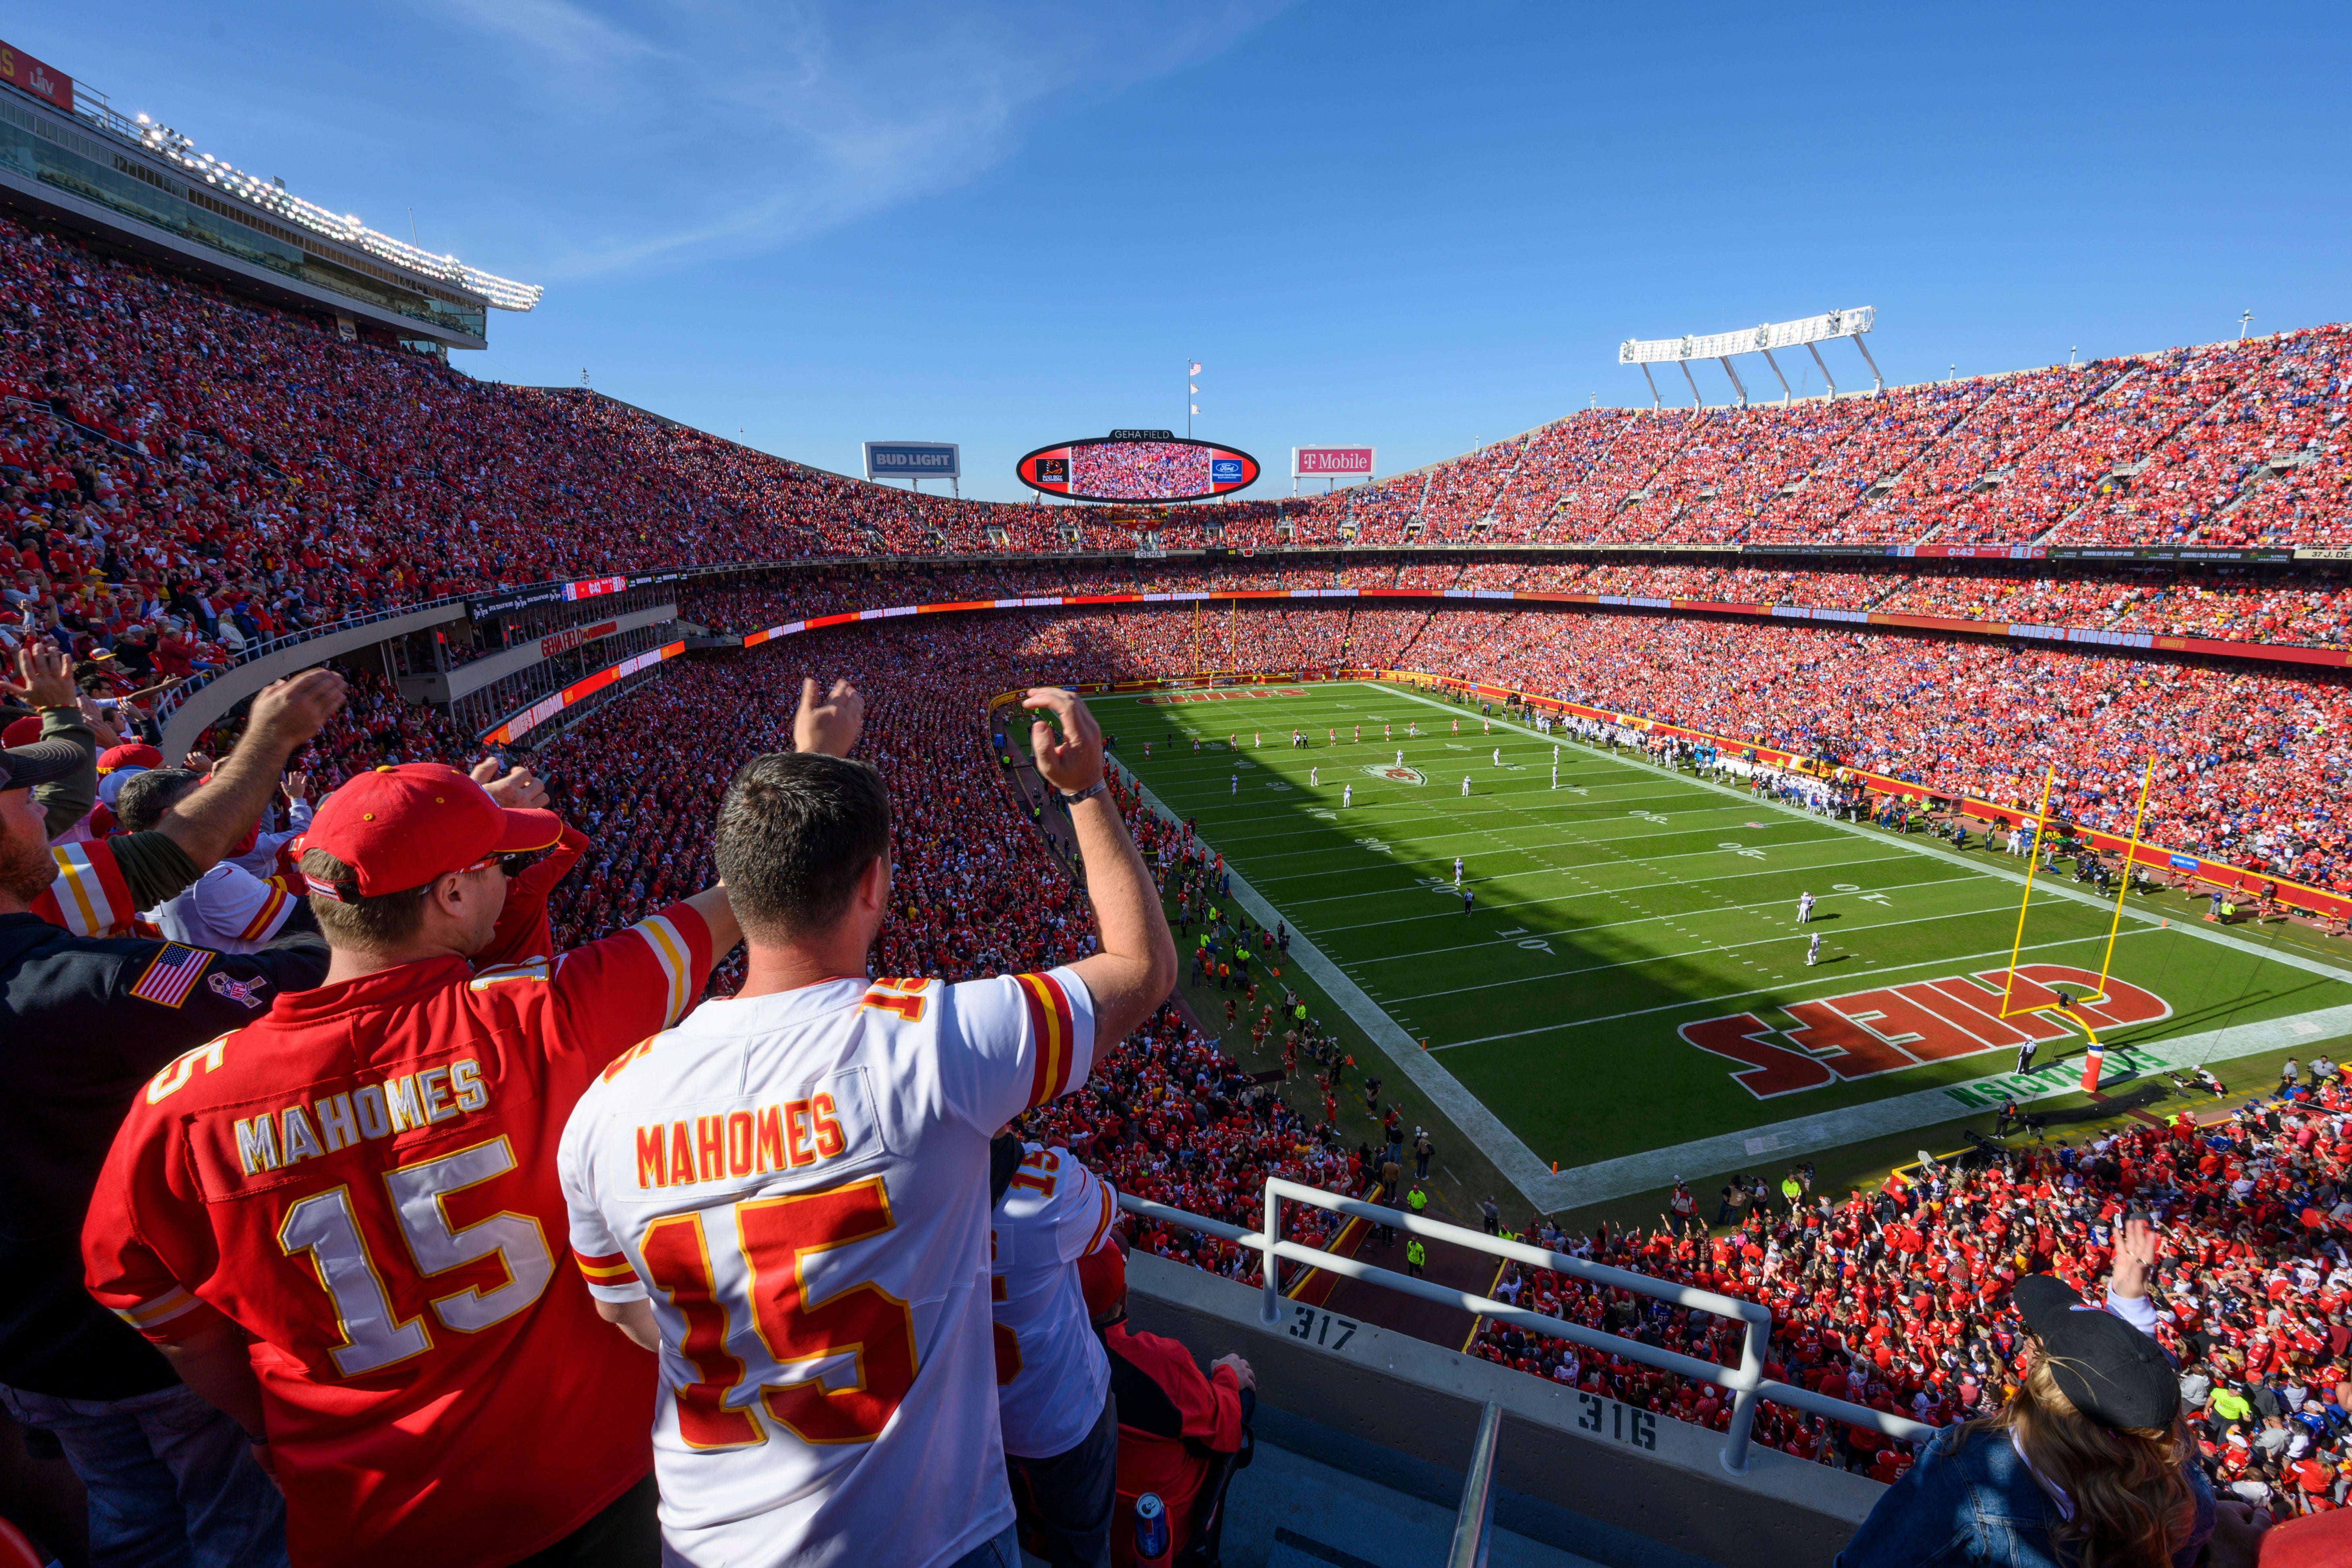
173	974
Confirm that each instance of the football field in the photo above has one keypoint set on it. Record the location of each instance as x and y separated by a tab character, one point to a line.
1627	996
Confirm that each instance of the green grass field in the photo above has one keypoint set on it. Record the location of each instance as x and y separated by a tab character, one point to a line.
1630	903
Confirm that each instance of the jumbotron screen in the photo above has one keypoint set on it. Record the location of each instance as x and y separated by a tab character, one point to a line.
1132	465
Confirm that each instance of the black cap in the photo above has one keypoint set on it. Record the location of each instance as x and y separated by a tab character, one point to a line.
22	767
2109	1370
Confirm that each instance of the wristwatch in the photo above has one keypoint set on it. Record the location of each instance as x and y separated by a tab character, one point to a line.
1088	793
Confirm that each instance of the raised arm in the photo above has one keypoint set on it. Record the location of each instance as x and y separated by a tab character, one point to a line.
45	683
1137	967
215	814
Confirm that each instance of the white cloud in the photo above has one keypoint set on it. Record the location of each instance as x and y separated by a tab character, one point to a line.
721	125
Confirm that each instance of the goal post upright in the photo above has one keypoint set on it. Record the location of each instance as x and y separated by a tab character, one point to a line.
2095	1058
2123	881
2033	864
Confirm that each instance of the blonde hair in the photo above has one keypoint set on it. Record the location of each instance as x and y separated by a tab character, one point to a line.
2132	1503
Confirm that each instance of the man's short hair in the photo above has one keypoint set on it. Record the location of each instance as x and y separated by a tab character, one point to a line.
144	799
795	833
378	925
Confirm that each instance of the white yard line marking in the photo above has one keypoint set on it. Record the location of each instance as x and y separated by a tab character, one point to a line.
1661	958
1907	842
1841	981
1711	850
1578	871
1548	1191
1639	919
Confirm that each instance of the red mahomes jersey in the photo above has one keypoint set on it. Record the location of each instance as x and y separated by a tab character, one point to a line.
364	1181
1051	1372
802	1179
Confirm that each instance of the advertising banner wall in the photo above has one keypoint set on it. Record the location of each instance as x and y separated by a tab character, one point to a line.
22	71
522	723
913	460
1331	462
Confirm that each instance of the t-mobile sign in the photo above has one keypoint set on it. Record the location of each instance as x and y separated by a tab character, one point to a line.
1331	462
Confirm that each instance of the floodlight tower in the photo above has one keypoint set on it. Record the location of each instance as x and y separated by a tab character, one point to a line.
1721	346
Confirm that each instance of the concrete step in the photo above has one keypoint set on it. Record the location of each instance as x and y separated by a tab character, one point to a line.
1290	1512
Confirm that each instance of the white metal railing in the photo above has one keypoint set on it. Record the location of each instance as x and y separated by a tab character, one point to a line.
1474	1521
1746	1380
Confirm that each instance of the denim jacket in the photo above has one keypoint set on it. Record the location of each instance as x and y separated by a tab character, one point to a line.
1979	1504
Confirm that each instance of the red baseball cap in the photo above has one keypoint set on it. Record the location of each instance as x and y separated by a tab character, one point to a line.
399	828
1102	1278
22	731
134	753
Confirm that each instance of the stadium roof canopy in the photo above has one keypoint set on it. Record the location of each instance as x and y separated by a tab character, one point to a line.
69	156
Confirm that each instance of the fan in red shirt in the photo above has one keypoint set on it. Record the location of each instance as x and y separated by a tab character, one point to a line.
1177	1431
342	1222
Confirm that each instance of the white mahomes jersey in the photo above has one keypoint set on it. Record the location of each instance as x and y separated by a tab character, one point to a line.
801	1180
261	860
1052	1373
227	909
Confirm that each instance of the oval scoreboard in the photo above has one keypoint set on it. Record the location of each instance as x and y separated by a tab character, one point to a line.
1136	465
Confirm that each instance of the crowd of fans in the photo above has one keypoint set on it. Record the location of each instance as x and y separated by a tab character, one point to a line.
1898	1299
2221	603
1893	1299
2229	445
1172	1116
184	477
2250	768
1139	470
247	472
2250	765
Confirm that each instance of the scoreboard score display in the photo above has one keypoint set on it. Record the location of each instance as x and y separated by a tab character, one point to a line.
1136	465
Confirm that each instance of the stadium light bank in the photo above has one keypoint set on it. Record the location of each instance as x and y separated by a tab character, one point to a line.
1721	346
271	195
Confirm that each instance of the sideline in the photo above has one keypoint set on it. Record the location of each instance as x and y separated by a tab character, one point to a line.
1466	1111
1576	1186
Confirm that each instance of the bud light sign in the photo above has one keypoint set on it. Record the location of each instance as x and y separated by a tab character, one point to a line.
913	460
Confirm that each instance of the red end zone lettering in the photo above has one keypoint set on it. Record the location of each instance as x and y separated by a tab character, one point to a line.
1773	1070
1902	1021
2037	985
1888	1029
1842	1045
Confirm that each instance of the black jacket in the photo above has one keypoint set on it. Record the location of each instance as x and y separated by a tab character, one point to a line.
75	1043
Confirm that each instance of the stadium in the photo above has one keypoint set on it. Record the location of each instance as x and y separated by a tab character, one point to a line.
1668	921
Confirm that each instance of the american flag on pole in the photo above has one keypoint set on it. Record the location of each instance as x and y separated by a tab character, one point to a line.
171	974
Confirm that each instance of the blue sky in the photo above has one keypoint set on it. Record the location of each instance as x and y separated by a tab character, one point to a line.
1425	227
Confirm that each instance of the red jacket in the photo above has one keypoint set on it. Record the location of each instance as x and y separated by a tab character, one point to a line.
1170	1420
